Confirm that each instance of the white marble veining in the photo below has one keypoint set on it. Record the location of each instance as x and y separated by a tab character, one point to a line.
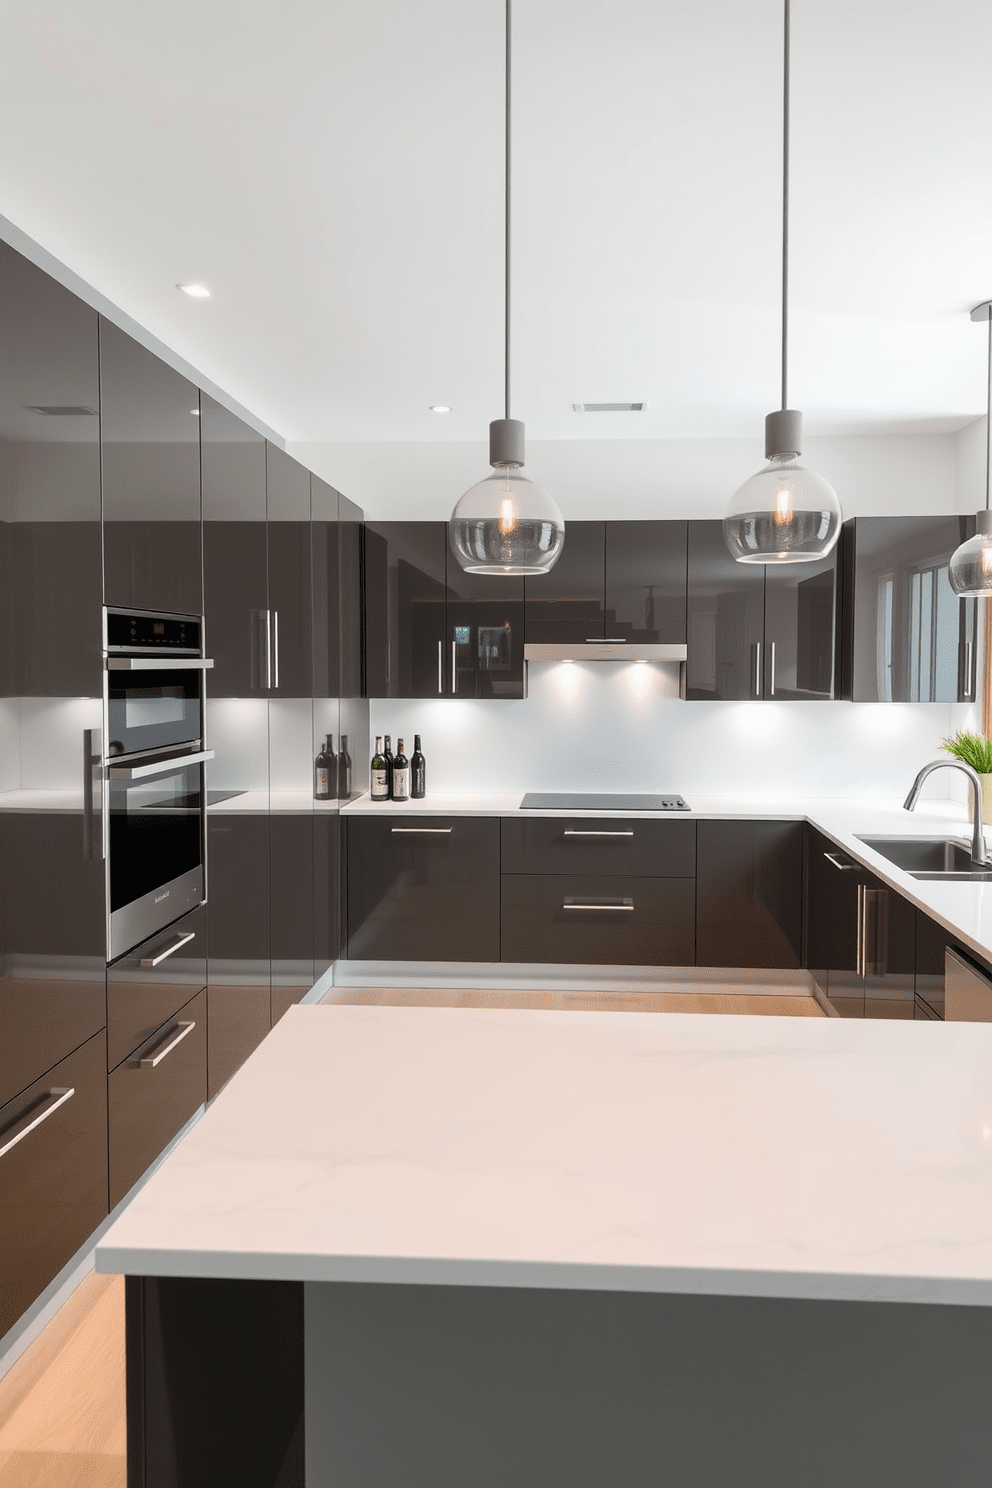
737	1156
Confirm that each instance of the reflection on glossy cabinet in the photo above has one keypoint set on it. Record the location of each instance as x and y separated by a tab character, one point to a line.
801	656
569	603
404	567
54	1174
932	940
235	594
238	939
749	893
907	638
834	888
725	619
291	858
288	508
423	890
150	441
645	576
484	635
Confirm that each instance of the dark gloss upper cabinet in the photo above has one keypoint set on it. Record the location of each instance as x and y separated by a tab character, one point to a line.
759	630
484	634
150	431
907	636
235	598
645	574
568	604
288	508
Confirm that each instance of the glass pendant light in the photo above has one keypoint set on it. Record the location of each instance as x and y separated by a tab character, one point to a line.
506	524
970	568
785	513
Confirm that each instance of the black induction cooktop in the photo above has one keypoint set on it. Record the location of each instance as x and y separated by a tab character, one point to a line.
579	801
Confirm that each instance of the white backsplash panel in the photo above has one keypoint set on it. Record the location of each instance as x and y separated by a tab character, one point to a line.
618	726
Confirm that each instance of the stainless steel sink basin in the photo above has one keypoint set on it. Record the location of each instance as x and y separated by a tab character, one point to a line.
928	857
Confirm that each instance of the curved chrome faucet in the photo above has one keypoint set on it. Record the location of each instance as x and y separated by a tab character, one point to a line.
979	856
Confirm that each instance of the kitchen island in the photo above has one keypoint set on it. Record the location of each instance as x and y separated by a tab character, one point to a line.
543	1248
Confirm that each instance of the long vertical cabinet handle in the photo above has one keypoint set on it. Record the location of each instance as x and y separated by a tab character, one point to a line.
268	650
968	690
756	663
92	799
440	666
859	966
275	649
454	666
771	668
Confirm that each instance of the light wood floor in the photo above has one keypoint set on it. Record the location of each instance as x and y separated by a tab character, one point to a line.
767	1004
62	1406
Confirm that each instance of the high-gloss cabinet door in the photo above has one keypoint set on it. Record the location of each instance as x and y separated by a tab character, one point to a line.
291	839
749	893
569	603
239	939
235	592
405	631
801	655
288	506
725	619
423	889
619	847
150	437
646	581
835	887
53	1174
484	639
908	638
932	940
889	954
588	920
148	985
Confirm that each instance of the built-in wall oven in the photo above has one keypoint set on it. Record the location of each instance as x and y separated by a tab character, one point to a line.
155	756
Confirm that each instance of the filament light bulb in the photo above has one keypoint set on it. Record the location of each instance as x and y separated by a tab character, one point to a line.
508	514
783	506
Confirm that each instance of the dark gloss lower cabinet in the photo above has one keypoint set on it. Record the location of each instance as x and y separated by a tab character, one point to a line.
590	920
53	1174
151	984
749	902
153	1093
623	846
423	888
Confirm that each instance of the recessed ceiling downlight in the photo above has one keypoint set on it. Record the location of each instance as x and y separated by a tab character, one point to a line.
608	407
195	291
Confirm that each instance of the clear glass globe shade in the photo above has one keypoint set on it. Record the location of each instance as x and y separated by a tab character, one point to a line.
506	524
970	568
784	514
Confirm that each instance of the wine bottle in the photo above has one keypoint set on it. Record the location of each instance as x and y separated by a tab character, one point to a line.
380	773
387	750
401	774
418	772
344	771
324	771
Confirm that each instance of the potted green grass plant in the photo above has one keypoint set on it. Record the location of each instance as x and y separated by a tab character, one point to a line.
975	750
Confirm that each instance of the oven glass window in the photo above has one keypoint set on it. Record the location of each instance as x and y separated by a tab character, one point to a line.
155	831
152	712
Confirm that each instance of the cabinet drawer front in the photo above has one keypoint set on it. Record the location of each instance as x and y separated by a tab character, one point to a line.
600	845
41	1021
601	921
150	984
423	888
53	1174
149	1102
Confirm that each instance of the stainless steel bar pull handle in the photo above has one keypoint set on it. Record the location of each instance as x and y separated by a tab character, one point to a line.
771	668
433	831
169	950
627	907
968	685
268	649
576	832
756	662
440	666
56	1097
92	818
151	1060
862	934
159	664
159	767
454	666
844	867
275	647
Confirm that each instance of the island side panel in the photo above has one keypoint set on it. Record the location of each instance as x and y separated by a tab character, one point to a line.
214	1383
438	1387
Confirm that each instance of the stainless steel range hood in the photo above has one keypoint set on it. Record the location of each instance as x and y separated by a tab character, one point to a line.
604	651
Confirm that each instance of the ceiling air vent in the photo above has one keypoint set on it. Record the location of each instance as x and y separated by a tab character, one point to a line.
60	410
608	407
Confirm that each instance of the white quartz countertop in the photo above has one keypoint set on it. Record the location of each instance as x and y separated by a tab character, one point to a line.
778	1157
963	908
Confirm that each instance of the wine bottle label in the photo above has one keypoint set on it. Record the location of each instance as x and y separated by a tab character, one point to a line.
323	782
401	783
380	783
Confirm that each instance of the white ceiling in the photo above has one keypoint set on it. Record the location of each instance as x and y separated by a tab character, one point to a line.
333	172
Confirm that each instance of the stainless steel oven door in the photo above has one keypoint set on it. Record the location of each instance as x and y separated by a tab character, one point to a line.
154	702
156	818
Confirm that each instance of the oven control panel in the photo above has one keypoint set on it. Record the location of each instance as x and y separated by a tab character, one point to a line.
144	631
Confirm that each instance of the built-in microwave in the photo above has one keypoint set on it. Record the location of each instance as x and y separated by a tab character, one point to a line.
155	756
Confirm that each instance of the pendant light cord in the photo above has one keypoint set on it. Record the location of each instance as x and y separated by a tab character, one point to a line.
506	241
988	420
785	207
